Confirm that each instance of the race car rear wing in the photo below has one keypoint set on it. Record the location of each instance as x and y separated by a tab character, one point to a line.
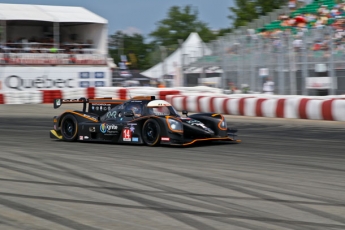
58	102
97	103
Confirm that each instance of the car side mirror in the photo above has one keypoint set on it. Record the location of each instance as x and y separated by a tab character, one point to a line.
128	113
185	112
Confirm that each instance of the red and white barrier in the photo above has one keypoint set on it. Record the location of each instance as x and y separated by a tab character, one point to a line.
2	98
255	105
291	107
47	96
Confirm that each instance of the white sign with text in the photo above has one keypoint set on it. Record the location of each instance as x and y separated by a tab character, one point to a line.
38	78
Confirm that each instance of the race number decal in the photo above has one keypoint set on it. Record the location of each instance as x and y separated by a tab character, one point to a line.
126	135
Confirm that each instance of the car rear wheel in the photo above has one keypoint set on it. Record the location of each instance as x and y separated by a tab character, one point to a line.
69	128
151	132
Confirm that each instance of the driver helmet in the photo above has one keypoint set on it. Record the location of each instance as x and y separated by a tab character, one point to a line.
136	110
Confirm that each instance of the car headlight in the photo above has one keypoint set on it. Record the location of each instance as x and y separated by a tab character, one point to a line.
174	125
222	124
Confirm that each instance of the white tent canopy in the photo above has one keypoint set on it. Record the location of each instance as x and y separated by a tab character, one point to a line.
48	13
66	24
192	49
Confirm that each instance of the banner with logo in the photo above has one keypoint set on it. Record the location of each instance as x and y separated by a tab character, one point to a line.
37	78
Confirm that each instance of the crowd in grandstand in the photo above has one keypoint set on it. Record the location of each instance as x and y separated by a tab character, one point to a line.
45	51
315	16
325	23
45	45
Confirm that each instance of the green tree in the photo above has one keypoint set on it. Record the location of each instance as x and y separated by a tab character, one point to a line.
224	31
180	22
133	46
248	10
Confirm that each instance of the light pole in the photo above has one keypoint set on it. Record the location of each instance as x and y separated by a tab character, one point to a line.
163	56
180	42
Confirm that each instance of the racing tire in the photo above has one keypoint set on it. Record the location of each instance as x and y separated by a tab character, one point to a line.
69	128
151	132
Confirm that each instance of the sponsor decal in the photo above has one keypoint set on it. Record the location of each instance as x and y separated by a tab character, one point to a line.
165	139
112	127
92	129
103	128
58	102
81	138
126	134
86	138
135	139
111	114
108	128
132	128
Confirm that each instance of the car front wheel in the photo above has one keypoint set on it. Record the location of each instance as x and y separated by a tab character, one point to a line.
151	132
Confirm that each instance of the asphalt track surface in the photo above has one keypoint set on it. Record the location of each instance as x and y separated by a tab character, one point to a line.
286	174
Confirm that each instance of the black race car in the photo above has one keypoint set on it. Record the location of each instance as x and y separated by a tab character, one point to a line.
140	120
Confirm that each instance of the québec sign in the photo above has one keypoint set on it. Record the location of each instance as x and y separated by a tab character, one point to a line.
40	82
57	77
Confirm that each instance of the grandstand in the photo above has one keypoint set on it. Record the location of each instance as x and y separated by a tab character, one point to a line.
52	47
51	35
316	14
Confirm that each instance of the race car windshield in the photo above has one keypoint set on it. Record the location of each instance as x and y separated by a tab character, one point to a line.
162	111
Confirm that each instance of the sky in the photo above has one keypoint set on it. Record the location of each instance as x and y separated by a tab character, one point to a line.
141	16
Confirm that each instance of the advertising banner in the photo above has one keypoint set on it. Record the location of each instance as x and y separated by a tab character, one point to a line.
318	83
38	78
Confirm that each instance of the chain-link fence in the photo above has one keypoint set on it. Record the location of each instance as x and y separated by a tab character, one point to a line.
309	62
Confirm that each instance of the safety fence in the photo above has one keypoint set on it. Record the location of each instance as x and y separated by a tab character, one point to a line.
301	61
203	99
307	62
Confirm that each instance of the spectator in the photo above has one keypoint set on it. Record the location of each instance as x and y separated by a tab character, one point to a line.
297	44
317	45
268	86
319	23
292	4
232	87
334	12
